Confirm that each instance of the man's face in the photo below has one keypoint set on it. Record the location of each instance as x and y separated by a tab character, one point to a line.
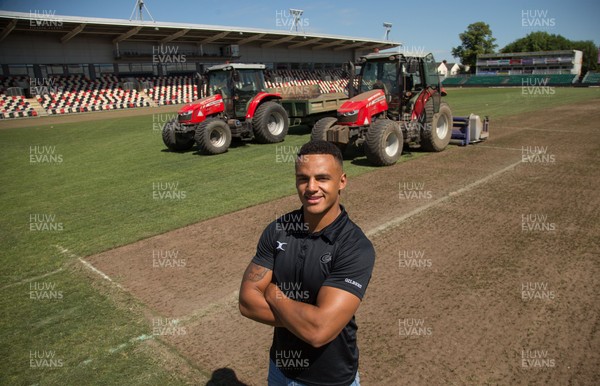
319	178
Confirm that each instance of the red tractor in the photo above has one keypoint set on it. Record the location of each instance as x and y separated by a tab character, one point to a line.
398	102
236	106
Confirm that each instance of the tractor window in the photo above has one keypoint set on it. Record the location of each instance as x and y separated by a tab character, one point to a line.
379	75
431	74
413	74
217	83
250	81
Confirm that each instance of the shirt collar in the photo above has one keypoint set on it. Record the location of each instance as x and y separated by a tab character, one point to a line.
333	230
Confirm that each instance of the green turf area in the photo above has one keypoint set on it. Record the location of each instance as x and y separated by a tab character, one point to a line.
500	102
102	184
59	330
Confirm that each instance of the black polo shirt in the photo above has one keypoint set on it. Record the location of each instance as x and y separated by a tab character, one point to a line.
340	256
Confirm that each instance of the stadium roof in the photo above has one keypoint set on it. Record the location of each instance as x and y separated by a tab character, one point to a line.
118	30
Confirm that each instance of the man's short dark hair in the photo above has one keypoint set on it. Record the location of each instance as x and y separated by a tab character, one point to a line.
321	147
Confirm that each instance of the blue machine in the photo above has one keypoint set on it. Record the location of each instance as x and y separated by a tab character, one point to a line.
469	129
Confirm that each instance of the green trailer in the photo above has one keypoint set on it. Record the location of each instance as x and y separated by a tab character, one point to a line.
308	111
306	104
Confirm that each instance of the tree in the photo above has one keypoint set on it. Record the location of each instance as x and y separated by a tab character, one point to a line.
543	41
538	41
476	40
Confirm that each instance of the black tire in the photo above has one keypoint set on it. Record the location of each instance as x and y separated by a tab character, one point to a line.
270	123
175	141
384	143
213	136
437	131
319	130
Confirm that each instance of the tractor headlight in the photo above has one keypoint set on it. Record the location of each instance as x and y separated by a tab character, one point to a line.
349	113
348	116
184	117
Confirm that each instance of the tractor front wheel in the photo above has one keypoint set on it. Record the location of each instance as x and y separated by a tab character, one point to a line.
319	130
270	123
176	141
213	136
384	142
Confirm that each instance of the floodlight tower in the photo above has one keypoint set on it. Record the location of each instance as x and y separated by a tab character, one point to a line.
140	6
297	14
388	28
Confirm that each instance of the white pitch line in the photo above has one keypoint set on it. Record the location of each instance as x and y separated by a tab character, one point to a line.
120	347
398	220
88	265
140	338
94	269
30	279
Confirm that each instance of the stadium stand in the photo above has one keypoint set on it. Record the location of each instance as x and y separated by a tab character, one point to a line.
169	90
561	79
539	62
550	79
517	80
512	80
552	68
14	106
454	80
591	78
485	80
75	93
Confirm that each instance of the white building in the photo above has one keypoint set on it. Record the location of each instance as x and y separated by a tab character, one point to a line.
446	69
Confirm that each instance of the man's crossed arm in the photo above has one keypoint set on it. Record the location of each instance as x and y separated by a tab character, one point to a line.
252	301
317	324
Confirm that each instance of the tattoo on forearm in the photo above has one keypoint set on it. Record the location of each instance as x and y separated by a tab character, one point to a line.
255	272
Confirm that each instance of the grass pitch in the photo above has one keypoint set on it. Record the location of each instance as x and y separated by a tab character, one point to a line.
501	102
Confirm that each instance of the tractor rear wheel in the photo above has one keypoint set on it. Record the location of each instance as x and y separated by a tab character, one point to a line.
213	136
383	146
270	123
175	141
437	131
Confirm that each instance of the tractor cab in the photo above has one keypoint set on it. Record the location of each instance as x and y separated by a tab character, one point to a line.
237	84
402	77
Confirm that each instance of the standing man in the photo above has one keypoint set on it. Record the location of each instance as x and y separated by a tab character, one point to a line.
307	279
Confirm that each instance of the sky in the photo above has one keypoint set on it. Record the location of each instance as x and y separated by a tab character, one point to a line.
431	25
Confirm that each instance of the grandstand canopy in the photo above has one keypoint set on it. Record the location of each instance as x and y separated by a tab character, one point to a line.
117	30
